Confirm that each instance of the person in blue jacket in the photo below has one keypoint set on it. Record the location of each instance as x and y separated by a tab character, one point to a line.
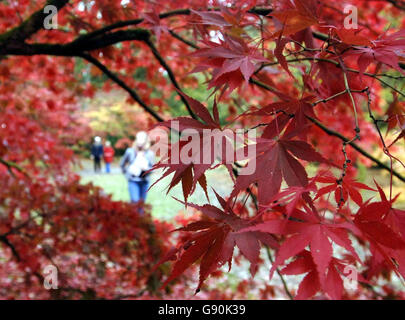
135	163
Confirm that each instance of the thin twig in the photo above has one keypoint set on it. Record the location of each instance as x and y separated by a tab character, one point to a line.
12	165
171	75
343	138
286	289
122	84
356	147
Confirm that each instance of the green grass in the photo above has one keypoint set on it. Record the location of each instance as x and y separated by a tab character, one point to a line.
163	205
113	184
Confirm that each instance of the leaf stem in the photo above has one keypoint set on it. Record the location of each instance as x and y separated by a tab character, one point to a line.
286	289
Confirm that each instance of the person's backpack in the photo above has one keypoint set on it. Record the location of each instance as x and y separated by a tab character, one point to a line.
139	165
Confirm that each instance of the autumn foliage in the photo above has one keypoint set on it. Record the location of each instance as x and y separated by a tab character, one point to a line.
325	99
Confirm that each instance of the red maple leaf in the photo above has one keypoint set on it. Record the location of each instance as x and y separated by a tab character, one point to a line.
295	109
232	20
396	117
384	227
188	160
353	37
276	159
312	230
342	189
152	22
385	50
332	284
214	242
232	61
294	19
278	53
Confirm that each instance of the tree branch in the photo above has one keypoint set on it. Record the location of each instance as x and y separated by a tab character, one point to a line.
75	47
170	74
122	24
12	165
356	147
14	251
324	37
341	137
94	42
32	25
316	122
372	75
400	4
180	38
122	84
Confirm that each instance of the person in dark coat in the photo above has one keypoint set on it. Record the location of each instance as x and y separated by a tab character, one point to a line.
97	153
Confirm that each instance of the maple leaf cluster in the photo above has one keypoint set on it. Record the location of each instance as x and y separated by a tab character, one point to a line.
299	222
321	98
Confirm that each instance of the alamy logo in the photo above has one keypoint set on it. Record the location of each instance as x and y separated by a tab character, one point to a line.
51	20
351	21
350	280
50	277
